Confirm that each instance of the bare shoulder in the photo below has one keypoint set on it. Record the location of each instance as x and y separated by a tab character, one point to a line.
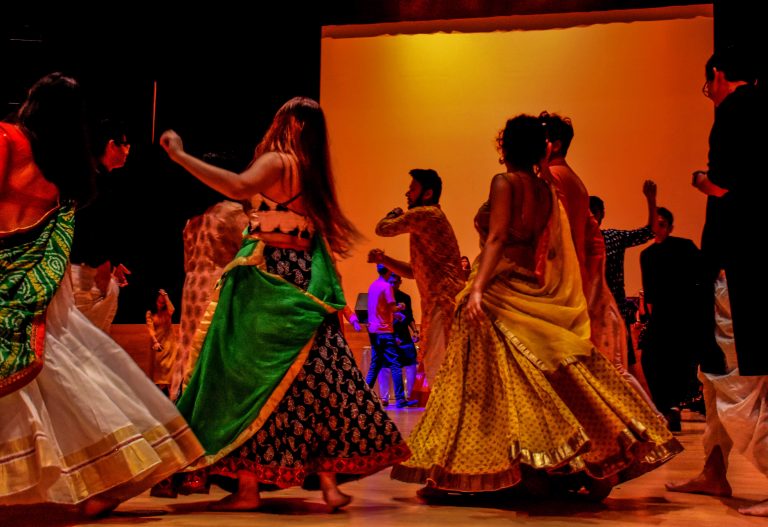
505	179
265	170
507	182
271	161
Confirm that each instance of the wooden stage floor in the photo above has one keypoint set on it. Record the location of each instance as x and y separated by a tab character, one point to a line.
381	502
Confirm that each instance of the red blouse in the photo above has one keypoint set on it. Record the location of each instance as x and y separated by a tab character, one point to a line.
26	197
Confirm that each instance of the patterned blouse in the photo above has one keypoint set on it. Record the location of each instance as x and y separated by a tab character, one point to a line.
616	242
268	215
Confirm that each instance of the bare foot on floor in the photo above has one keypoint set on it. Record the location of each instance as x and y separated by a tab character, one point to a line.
236	502
702	485
335	499
599	489
97	506
758	509
431	493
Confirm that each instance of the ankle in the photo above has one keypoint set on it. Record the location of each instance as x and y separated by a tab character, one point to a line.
328	481
247	483
98	506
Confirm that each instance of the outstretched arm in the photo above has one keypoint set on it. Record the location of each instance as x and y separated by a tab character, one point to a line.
262	173
351	317
400	267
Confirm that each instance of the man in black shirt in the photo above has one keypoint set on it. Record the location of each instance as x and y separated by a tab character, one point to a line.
96	274
736	399
405	339
673	281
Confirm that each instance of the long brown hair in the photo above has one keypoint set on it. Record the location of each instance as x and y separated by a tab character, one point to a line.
299	129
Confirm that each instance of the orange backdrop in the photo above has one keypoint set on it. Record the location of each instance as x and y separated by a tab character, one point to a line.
435	94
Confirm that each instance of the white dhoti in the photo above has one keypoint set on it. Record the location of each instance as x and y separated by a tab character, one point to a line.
737	407
91	423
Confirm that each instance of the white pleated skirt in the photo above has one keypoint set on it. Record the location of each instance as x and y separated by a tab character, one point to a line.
90	423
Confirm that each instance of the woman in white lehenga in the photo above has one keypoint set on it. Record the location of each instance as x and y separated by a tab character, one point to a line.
80	423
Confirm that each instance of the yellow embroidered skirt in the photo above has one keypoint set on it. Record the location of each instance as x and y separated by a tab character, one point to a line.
493	411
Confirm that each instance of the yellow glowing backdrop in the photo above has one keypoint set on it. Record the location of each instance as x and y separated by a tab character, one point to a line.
434	95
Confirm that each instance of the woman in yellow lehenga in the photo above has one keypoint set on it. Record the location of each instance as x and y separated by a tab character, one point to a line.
522	393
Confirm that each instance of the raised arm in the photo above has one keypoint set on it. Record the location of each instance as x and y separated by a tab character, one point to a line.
400	267
619	238
262	173
649	190
168	304
500	218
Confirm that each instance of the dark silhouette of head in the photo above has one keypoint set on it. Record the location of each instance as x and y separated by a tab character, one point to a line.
597	208
430	188
667	215
383	270
522	143
664	224
734	62
558	129
109	143
106	130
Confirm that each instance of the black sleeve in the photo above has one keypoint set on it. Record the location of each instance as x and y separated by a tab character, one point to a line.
649	280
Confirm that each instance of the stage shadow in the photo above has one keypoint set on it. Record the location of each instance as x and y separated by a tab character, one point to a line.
627	510
737	503
52	515
278	506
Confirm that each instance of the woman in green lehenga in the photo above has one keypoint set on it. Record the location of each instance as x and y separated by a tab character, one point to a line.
276	398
